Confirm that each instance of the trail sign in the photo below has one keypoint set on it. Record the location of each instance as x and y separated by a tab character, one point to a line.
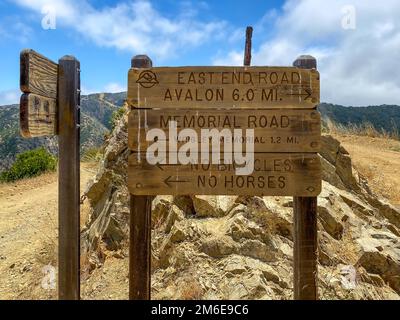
275	174
274	130
38	104
223	87
50	105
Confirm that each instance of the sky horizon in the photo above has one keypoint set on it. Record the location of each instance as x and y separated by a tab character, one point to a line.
356	42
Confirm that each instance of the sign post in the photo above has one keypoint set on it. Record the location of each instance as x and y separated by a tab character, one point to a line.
140	229
50	105
69	177
305	230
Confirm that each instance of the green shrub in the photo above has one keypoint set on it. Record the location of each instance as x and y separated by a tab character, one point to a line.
116	115
29	164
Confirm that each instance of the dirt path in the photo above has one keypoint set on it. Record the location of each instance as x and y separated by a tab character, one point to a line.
28	234
379	161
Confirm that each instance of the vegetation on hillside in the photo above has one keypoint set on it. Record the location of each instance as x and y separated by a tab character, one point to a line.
29	164
374	121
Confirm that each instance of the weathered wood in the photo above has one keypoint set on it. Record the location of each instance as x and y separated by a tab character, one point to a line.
140	248
305	231
275	174
247	47
69	178
140	229
223	87
38	116
38	75
305	248
274	130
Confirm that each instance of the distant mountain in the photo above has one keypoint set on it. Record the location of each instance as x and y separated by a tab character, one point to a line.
98	108
95	123
383	117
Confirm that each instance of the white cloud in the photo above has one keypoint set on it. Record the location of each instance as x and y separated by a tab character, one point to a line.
8	97
114	87
135	26
357	67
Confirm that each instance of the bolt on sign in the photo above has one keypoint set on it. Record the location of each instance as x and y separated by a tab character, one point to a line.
224	130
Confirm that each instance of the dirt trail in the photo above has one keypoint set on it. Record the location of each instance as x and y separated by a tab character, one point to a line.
28	234
378	160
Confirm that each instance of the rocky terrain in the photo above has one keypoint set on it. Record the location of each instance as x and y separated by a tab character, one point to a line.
219	247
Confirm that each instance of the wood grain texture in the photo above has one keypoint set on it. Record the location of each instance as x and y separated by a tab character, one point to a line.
274	130
38	75
69	180
275	174
140	248
305	248
223	87
38	116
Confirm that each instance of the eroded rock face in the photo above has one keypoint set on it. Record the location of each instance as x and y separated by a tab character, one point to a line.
242	247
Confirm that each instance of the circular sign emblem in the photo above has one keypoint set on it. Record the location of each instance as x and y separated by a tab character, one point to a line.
147	79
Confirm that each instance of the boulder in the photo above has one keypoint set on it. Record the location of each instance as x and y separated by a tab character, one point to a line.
213	206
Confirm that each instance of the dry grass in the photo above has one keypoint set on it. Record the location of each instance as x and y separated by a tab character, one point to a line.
192	290
364	129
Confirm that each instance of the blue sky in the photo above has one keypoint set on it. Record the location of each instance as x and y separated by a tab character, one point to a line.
357	43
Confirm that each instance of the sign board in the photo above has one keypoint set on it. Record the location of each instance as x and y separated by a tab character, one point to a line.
274	130
223	87
38	104
183	117
275	174
38	116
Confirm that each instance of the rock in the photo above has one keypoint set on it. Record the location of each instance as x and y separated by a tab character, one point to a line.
175	214
185	203
329	148
218	247
329	174
177	233
213	206
330	224
160	209
258	250
385	263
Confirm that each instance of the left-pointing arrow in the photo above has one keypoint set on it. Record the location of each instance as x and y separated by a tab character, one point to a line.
170	180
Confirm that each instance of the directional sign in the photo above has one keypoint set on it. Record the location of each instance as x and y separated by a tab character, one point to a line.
274	130
275	174
38	116
38	104
223	87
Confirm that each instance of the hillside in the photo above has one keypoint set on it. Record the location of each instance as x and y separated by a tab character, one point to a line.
96	114
383	117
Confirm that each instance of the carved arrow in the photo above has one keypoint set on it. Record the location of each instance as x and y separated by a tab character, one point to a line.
169	180
306	95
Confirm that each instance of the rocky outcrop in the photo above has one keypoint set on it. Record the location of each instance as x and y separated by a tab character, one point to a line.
242	247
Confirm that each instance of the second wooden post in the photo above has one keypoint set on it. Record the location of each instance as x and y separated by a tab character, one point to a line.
140	229
305	230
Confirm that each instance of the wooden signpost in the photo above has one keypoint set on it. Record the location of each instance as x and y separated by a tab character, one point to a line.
278	103
50	105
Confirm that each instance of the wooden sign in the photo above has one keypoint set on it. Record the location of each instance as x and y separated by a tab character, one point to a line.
275	174
38	74
223	87
38	105
274	130
38	116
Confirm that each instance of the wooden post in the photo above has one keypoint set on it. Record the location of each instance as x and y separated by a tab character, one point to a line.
140	230
305	230
247	47
69	178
